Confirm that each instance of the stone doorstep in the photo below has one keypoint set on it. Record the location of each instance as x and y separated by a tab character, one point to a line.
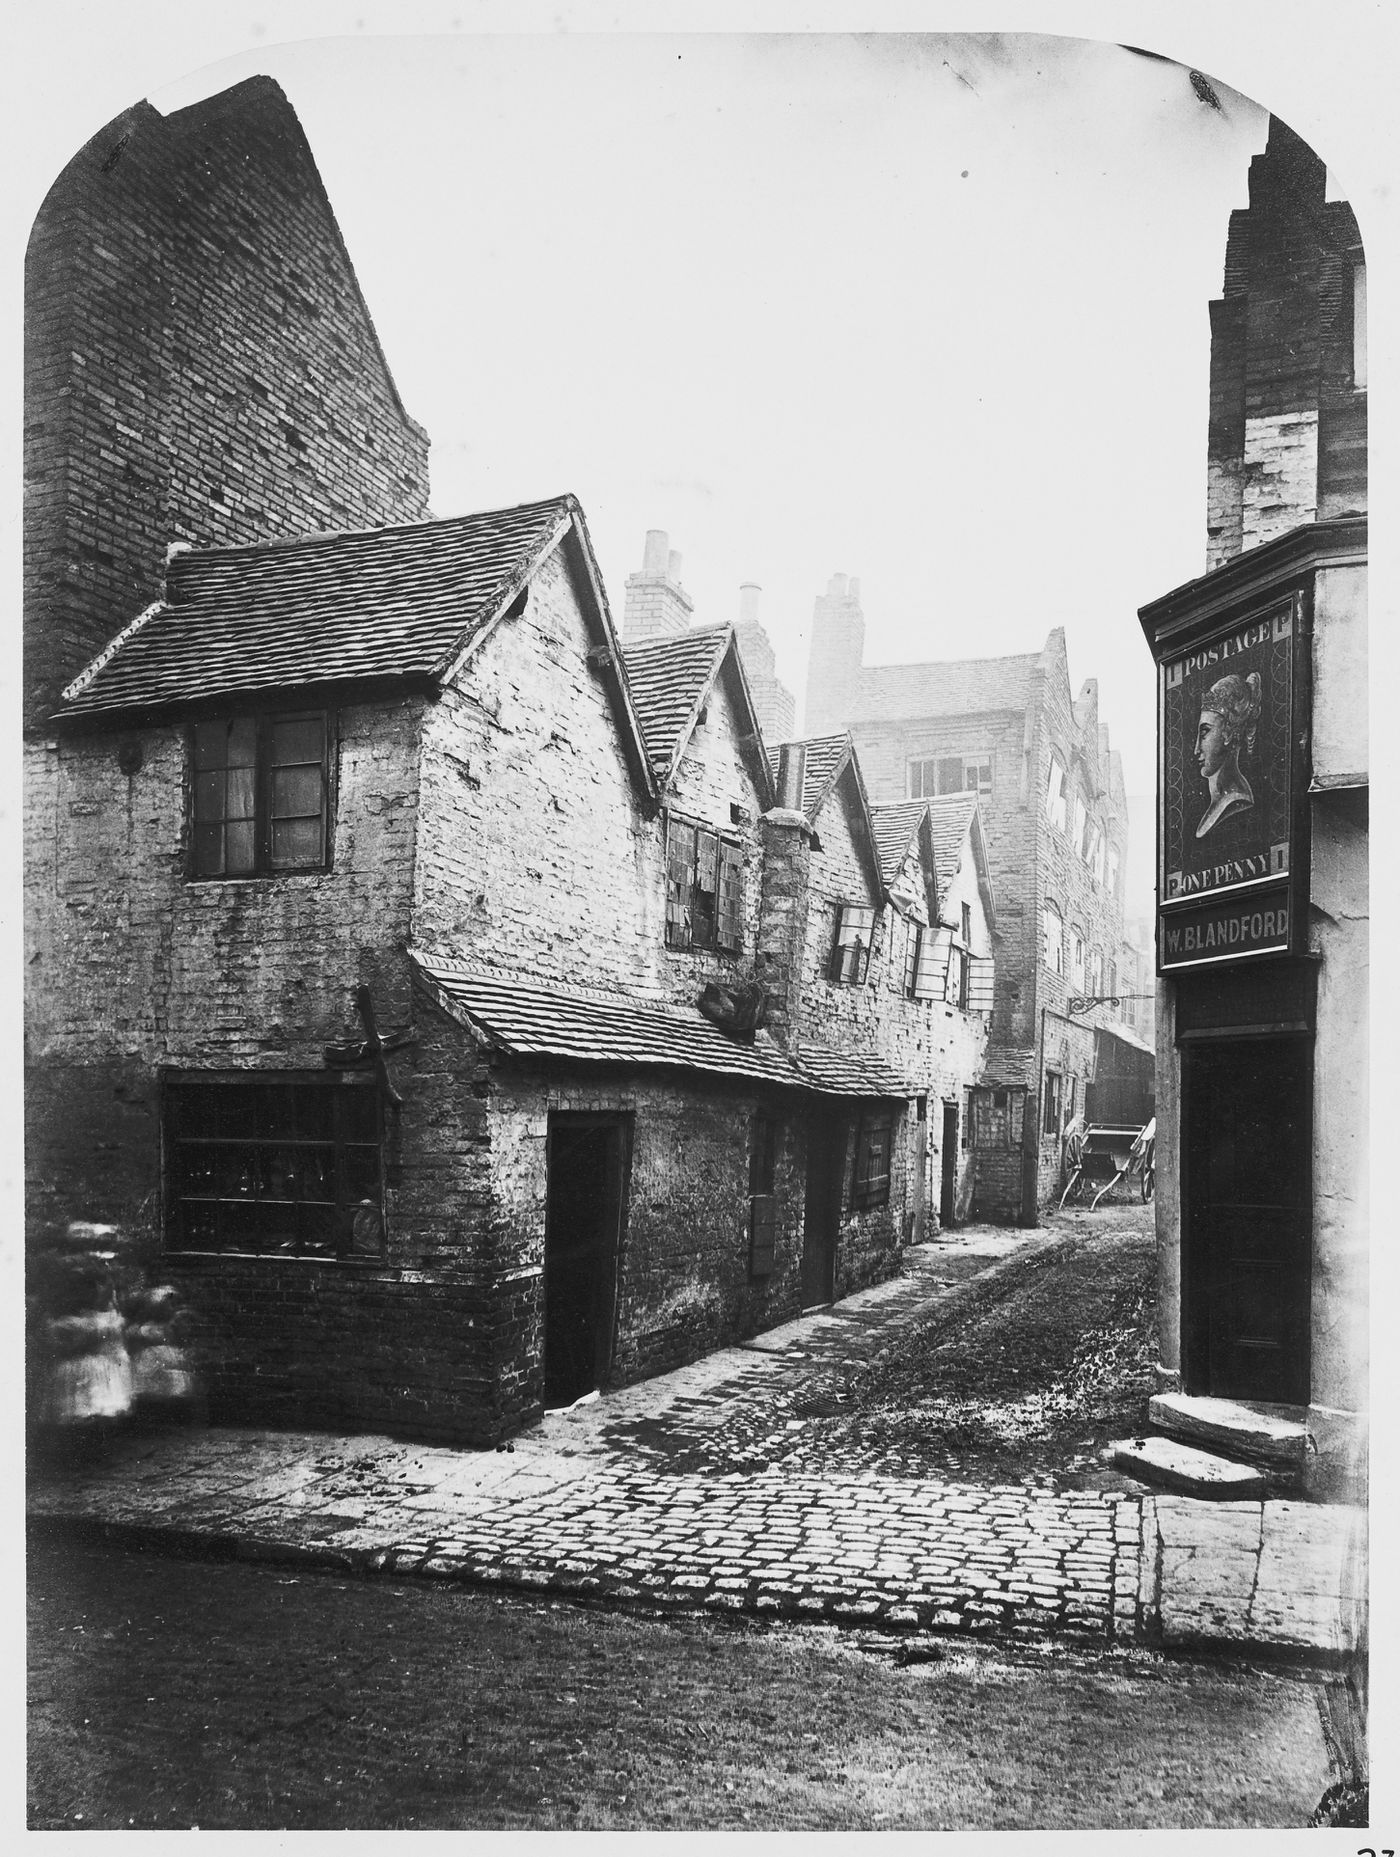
1177	1466
1248	1433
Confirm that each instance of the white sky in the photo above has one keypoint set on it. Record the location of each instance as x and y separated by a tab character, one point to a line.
927	310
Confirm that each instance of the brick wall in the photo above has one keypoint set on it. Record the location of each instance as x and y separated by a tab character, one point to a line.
199	367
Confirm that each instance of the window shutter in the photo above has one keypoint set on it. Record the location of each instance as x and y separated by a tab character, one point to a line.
980	987
763	1226
731	897
931	981
680	870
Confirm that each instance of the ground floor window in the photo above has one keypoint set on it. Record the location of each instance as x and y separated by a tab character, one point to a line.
872	1177
273	1165
763	1204
996	1117
1050	1123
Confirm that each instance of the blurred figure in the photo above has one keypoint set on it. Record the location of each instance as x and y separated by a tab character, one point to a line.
83	1373
164	1384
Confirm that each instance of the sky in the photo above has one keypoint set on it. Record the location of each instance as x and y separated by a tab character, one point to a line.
925	309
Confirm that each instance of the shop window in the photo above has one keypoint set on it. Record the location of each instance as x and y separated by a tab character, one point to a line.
763	1204
704	888
871	1186
950	773
273	1166
259	788
1053	927
1050	1122
1055	794
850	956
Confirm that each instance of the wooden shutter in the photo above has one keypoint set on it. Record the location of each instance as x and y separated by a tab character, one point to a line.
731	897
981	985
680	874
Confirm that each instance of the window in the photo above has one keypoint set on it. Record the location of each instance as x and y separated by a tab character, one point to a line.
1112	988
1051	1121
1071	1097
1096	972
1055	794
1096	852
704	888
1076	958
958	973
950	773
926	963
913	948
871	1186
258	795
763	1220
272	1165
850	958
1053	927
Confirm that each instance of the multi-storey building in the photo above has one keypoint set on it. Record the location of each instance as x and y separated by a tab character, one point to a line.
1262	880
1052	807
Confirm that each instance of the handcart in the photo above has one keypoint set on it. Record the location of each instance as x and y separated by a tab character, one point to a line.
1099	1156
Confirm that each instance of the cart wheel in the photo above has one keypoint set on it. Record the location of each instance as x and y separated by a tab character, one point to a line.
1149	1184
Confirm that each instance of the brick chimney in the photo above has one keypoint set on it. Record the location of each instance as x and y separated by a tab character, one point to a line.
835	658
773	702
782	915
656	605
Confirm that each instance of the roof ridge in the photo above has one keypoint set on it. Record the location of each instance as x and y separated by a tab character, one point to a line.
312	537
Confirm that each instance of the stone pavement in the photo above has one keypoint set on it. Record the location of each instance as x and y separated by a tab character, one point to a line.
606	1500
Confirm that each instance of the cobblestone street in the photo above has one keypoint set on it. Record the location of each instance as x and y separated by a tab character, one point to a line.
724	1486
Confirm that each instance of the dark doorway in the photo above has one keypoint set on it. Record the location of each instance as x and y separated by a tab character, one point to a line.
587	1174
826	1169
1247	1226
948	1189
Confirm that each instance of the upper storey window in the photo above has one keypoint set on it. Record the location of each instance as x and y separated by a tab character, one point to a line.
259	795
1055	794
704	888
850	955
950	773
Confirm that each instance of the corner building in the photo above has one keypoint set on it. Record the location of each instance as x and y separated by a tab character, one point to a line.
1262	932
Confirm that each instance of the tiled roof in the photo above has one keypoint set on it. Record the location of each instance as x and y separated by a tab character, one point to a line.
950	815
895	826
889	692
822	758
534	1018
391	602
669	677
1009	1064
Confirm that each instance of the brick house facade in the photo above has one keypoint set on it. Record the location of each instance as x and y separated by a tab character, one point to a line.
1053	810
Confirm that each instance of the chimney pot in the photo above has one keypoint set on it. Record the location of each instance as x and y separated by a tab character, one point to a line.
654	560
853	590
748	602
837	589
673	567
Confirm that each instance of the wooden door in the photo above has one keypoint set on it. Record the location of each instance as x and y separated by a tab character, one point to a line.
948	1189
586	1179
1247	1217
826	1168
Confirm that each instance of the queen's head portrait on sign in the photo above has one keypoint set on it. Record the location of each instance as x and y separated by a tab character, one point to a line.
1228	724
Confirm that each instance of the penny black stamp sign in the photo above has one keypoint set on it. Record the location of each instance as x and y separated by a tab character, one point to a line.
1227	791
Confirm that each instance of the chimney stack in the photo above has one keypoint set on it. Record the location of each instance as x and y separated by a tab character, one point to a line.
835	657
656	605
773	702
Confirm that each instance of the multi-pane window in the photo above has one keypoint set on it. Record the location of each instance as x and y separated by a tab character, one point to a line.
950	773
704	888
258	795
1050	1123
1055	794
850	955
1076	958
1053	928
871	1186
763	1220
926	962
274	1166
959	969
913	948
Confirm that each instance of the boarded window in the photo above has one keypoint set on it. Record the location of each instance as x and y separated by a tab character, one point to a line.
274	1166
763	1205
258	795
997	1117
704	888
850	956
871	1184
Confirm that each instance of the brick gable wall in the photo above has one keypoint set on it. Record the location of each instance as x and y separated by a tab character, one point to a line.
199	367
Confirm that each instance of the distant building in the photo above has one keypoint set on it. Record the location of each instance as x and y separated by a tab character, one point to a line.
1052	807
1262	907
657	606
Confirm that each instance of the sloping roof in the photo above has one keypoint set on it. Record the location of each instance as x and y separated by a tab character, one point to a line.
1127	1036
950	814
894	826
402	601
1009	1064
533	1018
889	692
823	758
669	678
